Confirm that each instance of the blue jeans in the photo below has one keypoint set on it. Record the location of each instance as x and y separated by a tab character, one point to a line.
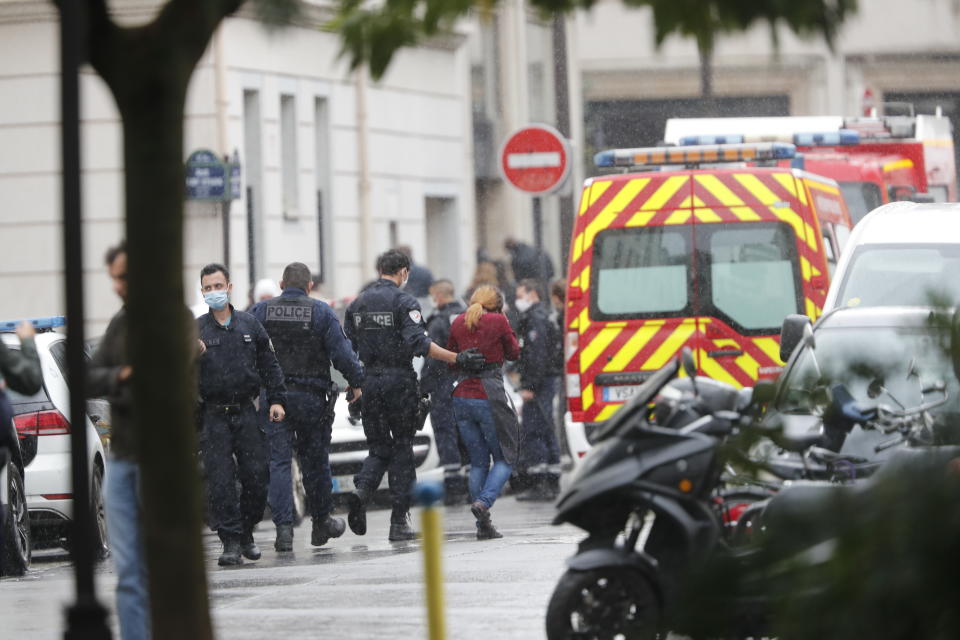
122	503
306	430
479	434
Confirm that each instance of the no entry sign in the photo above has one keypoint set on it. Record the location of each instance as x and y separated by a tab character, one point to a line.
535	159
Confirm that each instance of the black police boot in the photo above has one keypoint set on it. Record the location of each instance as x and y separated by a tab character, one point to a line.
357	518
486	531
231	554
325	529
401	531
249	548
284	541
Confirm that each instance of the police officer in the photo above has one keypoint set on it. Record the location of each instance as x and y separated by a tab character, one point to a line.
541	362
437	380
238	359
386	326
306	335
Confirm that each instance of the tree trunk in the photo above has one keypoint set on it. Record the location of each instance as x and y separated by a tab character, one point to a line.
706	71
162	357
161	350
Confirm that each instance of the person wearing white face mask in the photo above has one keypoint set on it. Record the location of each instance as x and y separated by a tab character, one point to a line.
239	359
540	366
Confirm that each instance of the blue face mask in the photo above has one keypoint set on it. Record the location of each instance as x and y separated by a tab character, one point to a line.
216	299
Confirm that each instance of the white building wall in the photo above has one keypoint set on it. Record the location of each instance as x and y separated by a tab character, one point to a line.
887	45
420	146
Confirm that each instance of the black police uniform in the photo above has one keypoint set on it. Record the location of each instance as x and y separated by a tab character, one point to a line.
386	326
540	368
307	336
437	379
239	359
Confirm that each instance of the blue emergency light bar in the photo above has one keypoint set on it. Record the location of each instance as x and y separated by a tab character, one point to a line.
40	324
694	154
837	138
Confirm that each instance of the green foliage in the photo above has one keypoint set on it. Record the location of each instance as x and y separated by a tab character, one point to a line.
373	32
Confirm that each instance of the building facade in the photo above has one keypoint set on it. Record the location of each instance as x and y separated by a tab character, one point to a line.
335	168
890	51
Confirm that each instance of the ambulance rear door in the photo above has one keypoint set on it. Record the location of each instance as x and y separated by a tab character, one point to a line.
637	309
752	229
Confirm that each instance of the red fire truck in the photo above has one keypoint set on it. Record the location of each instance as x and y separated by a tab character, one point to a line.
875	160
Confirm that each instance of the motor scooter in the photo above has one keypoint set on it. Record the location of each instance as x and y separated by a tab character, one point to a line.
645	495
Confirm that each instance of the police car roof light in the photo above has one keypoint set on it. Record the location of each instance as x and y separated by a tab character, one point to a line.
40	324
818	139
694	154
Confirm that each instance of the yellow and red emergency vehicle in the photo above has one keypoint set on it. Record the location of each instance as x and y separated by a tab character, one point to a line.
710	258
875	160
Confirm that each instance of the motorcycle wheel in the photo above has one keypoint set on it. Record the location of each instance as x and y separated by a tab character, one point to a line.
603	604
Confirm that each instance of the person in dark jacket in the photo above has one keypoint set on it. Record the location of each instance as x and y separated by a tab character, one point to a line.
238	360
19	370
528	263
385	325
307	336
109	376
486	418
437	380
540	368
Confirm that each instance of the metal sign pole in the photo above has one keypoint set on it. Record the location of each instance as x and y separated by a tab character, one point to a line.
225	212
86	618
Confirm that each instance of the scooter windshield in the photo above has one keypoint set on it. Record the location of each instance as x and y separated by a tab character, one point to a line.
624	418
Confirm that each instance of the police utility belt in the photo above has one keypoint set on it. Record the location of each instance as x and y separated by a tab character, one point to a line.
229	404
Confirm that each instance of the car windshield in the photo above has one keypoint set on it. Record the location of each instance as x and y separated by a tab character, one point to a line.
857	356
861	197
902	275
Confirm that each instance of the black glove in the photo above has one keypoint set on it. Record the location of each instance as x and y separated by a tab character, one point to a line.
423	410
471	360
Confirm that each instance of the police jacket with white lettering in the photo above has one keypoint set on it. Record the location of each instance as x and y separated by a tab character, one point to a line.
386	326
239	360
307	336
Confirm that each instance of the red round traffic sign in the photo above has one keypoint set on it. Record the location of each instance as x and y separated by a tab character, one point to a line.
535	159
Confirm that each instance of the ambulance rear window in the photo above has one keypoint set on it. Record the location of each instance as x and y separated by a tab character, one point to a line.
641	272
752	273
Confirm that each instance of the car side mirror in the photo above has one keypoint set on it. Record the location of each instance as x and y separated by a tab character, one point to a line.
792	332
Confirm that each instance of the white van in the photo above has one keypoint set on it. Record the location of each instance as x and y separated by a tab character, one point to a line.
900	254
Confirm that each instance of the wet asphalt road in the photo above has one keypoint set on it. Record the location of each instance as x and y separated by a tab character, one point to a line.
353	588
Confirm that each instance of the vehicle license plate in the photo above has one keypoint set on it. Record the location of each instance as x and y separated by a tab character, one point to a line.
620	393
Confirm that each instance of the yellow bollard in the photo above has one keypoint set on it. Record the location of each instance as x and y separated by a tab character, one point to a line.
428	495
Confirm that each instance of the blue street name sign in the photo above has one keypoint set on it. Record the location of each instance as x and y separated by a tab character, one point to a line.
207	177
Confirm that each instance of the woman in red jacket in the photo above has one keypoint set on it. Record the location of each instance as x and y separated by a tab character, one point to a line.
485	415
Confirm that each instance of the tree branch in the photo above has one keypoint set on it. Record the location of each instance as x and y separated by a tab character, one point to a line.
191	23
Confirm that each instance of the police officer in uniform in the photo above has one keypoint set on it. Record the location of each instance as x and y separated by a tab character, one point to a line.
306	335
541	364
437	379
238	359
386	326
